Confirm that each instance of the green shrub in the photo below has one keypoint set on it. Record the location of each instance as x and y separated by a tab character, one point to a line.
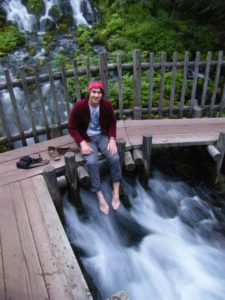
10	39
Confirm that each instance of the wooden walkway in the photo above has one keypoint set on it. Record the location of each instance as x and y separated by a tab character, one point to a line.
37	261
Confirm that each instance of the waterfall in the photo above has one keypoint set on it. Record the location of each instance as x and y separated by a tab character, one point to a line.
48	5
17	13
78	16
168	246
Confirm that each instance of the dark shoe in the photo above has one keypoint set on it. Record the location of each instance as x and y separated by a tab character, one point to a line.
28	162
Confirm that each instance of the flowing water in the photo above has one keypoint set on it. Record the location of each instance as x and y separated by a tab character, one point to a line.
169	245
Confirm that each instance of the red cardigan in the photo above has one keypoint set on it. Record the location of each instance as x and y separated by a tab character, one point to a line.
80	118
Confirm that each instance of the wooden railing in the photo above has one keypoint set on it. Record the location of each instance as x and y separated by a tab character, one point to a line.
200	92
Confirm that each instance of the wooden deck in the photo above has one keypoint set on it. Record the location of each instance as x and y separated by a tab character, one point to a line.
37	261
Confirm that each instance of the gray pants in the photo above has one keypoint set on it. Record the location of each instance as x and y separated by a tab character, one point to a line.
99	142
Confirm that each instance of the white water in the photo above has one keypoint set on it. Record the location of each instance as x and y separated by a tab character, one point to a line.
17	13
78	16
148	251
48	5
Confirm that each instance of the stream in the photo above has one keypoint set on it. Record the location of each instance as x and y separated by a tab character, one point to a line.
169	245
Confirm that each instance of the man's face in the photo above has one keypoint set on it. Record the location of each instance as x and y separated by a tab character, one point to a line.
95	96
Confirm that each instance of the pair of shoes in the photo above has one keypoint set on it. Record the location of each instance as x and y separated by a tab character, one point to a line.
55	152
28	162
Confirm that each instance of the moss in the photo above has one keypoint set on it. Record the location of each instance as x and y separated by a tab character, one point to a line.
36	7
10	39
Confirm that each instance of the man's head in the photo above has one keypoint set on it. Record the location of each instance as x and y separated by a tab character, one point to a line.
96	92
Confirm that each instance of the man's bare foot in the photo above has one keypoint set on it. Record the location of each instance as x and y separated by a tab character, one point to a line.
115	202
116	197
103	206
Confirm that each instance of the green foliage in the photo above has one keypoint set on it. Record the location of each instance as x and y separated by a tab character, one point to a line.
128	96
48	41
10	39
84	38
36	6
154	26
62	58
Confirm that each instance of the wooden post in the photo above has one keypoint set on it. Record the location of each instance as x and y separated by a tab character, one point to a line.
83	176
197	112
146	150
137	84
221	149
138	157
214	152
121	146
61	181
71	172
55	131
103	69
49	174
128	161
72	179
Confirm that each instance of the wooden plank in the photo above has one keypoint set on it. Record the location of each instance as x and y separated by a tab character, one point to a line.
18	274
37	286
42	101
137	83
76	80
58	242
28	104
10	173
184	85
173	85
162	82
194	82
2	272
65	88
62	141
103	70
176	140
206	80
15	107
88	69
222	102
216	82
54	97
151	76
120	85
5	125
56	282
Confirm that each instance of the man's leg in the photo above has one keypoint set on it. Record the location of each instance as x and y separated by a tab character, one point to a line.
93	170
115	169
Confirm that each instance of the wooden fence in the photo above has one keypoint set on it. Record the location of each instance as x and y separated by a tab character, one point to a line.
152	88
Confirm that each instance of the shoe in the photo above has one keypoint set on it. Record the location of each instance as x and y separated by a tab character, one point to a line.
28	162
53	153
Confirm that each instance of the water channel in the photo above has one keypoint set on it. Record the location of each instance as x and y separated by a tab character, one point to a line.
167	244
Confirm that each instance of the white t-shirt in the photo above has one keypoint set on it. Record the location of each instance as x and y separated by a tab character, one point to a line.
94	126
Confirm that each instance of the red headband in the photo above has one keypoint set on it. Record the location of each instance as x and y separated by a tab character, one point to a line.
96	84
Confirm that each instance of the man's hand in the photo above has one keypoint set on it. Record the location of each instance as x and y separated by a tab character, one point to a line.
112	147
85	148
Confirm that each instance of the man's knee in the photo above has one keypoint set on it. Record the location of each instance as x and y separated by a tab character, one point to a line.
114	159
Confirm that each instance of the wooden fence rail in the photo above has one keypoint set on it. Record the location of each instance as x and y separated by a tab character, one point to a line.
157	88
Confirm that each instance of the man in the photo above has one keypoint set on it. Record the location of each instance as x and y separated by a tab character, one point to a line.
92	124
